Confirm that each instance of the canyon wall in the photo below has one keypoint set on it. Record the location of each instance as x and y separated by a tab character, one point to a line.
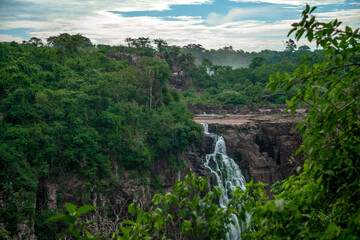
262	144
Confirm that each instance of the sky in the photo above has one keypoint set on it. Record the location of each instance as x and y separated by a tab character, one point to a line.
250	25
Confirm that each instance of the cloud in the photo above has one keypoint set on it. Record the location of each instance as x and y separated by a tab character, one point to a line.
109	28
243	13
295	2
8	38
233	14
43	10
349	17
250	29
151	5
13	9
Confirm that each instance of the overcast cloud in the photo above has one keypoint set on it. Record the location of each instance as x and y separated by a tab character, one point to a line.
251	25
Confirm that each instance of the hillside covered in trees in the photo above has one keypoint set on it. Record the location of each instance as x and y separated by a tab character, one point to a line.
68	107
201	78
71	108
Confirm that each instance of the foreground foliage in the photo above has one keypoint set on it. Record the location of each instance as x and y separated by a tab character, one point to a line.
323	201
189	212
76	227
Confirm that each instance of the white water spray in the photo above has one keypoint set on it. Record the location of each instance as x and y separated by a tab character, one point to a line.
228	175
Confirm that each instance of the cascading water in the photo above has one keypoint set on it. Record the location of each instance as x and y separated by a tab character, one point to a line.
228	175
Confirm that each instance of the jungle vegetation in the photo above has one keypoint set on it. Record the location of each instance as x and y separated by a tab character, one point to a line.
67	107
71	106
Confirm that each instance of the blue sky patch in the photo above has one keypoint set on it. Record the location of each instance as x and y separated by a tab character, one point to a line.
18	32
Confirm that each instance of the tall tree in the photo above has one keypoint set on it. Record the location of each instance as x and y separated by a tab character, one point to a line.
161	44
290	45
36	41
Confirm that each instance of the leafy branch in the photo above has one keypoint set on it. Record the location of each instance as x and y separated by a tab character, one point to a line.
76	226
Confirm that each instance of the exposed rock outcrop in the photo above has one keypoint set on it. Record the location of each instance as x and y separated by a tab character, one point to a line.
199	108
262	146
263	151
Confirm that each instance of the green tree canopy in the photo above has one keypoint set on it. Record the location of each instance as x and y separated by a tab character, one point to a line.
69	43
257	62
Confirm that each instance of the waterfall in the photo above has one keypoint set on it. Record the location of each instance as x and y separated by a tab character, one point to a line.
228	175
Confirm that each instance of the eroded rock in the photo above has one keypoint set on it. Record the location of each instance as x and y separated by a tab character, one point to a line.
262	143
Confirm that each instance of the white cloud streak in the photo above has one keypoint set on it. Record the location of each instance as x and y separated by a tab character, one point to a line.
9	38
349	17
295	2
243	13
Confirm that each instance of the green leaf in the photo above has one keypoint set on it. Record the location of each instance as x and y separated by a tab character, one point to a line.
84	209
132	208
57	217
332	230
124	229
88	234
71	208
291	31
129	222
174	199
293	111
299	34
158	224
335	22
186	226
289	102
168	198
312	20
348	30
63	217
157	199
139	217
310	36
271	79
301	148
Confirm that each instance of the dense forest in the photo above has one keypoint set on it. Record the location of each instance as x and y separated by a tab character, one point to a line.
69	106
200	76
221	85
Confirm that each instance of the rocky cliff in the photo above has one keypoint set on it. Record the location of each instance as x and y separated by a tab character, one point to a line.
262	144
